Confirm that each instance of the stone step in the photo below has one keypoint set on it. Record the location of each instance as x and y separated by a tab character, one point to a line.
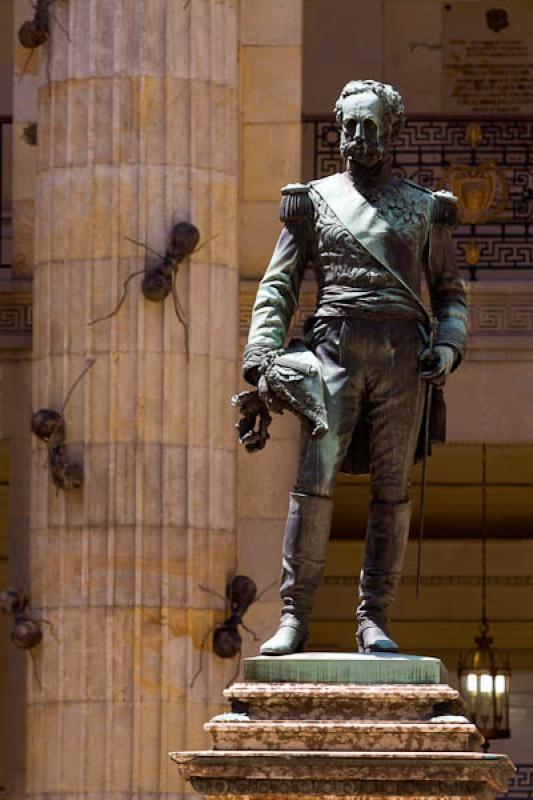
319	701
354	774
228	732
344	725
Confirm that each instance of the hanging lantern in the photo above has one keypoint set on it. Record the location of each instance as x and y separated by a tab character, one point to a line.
484	672
484	680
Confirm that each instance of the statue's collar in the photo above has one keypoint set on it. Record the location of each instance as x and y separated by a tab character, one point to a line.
370	182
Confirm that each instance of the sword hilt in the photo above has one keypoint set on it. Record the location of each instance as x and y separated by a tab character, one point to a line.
433	325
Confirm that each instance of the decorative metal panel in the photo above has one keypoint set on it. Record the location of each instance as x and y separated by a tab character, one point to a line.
521	785
488	162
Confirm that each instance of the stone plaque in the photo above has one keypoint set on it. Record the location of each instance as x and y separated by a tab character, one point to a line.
488	57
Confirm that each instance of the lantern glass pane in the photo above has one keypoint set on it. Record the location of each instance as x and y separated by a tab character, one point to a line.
484	681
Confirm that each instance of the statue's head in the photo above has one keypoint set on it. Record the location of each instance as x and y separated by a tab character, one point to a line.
371	114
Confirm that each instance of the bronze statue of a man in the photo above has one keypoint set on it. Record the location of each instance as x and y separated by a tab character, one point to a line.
368	236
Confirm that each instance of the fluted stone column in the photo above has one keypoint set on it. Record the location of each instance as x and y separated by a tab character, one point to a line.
137	130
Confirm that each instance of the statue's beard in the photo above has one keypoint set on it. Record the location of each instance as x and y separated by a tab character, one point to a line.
364	154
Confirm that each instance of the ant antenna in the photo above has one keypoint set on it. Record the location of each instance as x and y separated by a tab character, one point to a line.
90	363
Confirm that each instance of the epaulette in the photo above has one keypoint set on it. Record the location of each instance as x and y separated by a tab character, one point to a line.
445	210
296	205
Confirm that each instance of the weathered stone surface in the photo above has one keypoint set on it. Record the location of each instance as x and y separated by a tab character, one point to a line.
345	667
292	766
345	701
343	735
270	67
312	790
352	740
138	129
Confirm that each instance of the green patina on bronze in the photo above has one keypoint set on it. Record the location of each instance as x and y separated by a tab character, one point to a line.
367	377
386	668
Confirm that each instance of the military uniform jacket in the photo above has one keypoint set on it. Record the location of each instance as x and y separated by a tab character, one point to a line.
348	240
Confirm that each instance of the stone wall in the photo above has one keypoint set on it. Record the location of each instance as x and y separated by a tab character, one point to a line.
270	112
271	88
398	41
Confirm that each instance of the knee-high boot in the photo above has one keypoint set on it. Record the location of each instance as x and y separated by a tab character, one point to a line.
304	555
385	544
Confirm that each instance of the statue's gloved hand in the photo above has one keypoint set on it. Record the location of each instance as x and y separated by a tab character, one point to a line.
255	420
256	356
436	363
263	390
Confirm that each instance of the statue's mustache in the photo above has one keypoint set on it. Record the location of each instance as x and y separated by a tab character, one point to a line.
361	147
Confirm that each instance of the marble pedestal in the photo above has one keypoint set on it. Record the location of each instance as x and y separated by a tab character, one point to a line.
364	726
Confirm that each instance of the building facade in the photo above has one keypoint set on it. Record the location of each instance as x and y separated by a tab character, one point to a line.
133	117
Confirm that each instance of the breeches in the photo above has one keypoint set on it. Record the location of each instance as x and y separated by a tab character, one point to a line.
370	367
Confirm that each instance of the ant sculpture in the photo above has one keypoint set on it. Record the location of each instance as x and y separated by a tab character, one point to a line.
36	32
241	592
49	425
26	631
160	280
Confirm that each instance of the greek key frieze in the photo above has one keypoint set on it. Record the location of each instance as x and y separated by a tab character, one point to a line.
505	315
15	319
521	785
515	317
